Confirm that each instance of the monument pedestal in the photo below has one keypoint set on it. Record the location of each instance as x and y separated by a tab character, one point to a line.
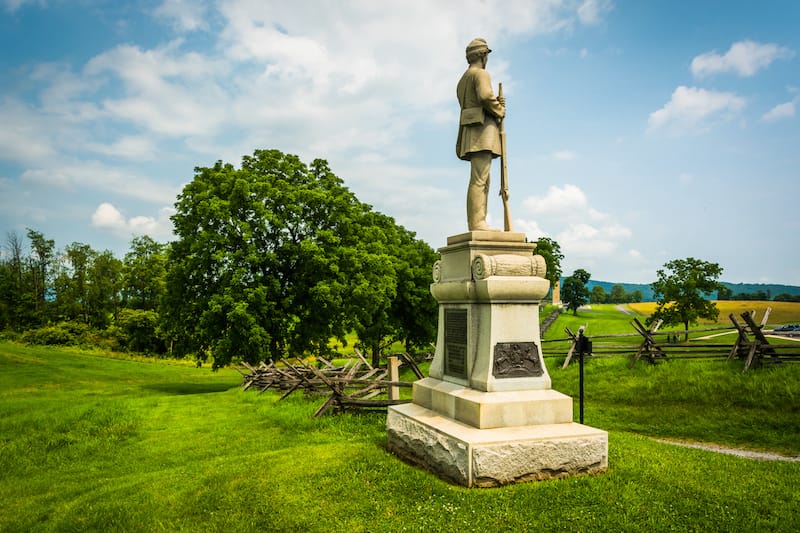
487	415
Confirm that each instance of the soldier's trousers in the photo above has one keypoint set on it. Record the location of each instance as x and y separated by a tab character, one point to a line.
478	190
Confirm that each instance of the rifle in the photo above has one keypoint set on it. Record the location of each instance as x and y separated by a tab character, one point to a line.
504	170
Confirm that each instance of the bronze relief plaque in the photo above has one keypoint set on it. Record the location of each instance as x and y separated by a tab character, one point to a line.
516	360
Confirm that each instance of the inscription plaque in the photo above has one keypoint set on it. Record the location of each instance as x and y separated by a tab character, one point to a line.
516	360
455	343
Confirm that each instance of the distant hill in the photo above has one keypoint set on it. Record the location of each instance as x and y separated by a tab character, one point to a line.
771	289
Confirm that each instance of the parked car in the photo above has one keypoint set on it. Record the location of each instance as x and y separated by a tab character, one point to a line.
788	327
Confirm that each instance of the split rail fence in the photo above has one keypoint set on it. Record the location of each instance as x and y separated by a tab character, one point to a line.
751	344
354	385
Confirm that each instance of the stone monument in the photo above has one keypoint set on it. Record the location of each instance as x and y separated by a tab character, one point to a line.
487	414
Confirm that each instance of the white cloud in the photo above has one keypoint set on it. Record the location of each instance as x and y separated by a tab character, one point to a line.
592	12
785	110
13	5
530	228
24	135
583	232
744	58
136	147
564	155
165	91
585	241
184	15
98	176
558	200
108	217
692	108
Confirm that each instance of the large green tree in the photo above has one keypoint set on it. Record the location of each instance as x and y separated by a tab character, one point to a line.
72	282
144	270
105	287
598	295
88	285
17	295
273	259
41	262
617	294
574	290
682	291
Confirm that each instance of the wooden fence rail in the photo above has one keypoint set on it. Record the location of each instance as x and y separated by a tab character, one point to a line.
751	344
355	384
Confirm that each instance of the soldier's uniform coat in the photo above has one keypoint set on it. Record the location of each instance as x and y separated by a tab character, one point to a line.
475	90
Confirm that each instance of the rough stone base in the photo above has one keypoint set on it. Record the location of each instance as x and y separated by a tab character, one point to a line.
474	457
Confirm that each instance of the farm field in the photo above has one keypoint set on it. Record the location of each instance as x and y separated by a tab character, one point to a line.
91	442
780	312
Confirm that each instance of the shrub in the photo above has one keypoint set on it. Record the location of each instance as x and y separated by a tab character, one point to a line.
139	331
63	333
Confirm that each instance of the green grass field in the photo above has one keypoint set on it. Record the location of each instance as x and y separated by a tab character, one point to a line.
94	443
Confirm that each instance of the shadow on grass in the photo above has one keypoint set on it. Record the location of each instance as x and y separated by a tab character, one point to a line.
181	389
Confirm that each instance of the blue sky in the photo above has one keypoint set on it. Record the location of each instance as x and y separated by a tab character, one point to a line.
638	132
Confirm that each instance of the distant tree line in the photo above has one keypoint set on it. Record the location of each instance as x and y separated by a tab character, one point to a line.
79	294
726	293
272	259
786	297
617	295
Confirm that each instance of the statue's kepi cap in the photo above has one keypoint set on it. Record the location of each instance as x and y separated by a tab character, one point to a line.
477	45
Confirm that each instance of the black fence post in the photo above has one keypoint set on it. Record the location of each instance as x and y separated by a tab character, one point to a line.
584	346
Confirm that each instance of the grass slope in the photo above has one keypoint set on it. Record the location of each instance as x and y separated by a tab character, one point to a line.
93	443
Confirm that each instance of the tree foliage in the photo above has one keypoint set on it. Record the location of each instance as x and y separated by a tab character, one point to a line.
574	291
598	295
17	299
682	291
144	270
551	251
69	296
407	312
41	261
277	258
786	297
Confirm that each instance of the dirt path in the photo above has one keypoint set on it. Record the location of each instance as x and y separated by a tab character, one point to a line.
793	339
706	337
762	456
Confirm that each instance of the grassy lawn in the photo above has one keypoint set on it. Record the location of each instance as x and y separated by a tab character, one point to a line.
89	442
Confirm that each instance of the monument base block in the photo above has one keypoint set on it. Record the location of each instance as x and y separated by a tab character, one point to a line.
486	410
474	457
